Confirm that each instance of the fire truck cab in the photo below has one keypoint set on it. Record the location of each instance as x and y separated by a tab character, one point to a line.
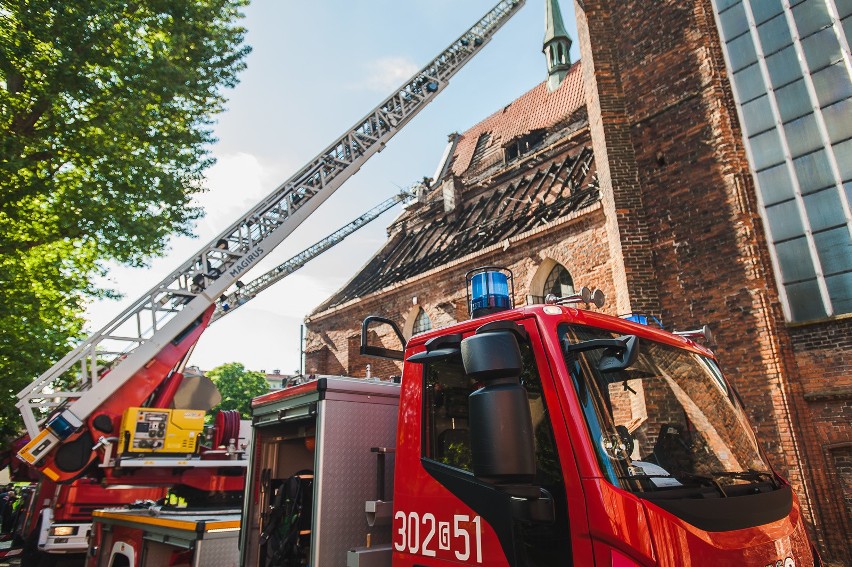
543	435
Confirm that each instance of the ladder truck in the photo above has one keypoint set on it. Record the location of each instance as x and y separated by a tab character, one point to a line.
63	526
534	436
95	411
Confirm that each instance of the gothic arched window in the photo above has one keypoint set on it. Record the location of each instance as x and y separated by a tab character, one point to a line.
422	323
559	282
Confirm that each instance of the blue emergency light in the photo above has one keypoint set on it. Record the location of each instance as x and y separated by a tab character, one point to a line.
488	290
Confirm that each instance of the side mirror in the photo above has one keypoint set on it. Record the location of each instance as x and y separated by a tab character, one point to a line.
381	352
500	423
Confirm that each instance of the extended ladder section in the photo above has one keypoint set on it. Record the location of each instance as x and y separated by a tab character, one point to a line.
101	364
243	293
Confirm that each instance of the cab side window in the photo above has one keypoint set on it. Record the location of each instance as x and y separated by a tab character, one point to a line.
445	424
446	440
446	437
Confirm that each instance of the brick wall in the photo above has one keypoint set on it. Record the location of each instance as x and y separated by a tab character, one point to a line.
824	355
662	101
627	228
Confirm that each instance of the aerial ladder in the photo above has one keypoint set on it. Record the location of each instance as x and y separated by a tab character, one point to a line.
72	409
242	293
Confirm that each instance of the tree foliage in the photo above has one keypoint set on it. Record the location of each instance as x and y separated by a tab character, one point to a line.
238	386
106	110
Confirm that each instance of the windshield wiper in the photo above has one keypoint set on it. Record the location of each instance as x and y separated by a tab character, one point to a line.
747	475
706	480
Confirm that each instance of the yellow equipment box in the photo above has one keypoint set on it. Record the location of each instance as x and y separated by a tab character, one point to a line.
157	430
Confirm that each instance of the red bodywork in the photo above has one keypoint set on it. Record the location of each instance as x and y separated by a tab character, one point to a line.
609	526
133	393
73	495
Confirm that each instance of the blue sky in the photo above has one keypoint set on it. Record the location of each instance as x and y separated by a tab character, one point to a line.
315	69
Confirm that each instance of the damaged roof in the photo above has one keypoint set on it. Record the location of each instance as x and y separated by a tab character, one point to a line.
519	169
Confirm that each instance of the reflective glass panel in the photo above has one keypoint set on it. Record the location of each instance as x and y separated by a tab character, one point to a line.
803	135
838	120
794	259
774	34
844	8
793	101
422	323
559	282
847	27
766	149
824	209
784	67
835	250
733	21
749	83
741	52
813	171
840	291
832	84
722	5
757	116
811	16
805	301
784	221
843	154
821	49
762	10
775	184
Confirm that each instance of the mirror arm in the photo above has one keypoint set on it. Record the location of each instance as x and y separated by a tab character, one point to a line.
381	352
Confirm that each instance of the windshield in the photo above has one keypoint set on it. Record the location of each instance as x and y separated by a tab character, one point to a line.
666	426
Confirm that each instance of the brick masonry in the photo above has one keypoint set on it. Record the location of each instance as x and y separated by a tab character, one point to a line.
660	105
579	244
677	234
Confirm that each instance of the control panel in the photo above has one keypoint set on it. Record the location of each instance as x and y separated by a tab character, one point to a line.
159	430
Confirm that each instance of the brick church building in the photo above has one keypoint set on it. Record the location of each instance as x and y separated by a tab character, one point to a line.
644	170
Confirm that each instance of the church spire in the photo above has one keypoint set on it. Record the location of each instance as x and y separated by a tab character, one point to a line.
556	45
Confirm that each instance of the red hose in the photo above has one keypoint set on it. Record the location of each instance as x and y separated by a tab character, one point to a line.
226	427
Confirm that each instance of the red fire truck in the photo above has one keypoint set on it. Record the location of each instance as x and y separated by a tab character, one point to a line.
542	435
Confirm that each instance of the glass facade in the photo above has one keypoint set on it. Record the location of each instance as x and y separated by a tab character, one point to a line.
789	63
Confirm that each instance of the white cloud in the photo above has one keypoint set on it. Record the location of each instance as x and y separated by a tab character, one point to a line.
387	73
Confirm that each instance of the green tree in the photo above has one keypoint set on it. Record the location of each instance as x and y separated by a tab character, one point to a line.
238	386
106	110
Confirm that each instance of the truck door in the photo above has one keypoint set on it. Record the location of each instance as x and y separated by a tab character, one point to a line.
443	514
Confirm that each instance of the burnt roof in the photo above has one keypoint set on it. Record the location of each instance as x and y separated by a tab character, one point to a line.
522	204
521	168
